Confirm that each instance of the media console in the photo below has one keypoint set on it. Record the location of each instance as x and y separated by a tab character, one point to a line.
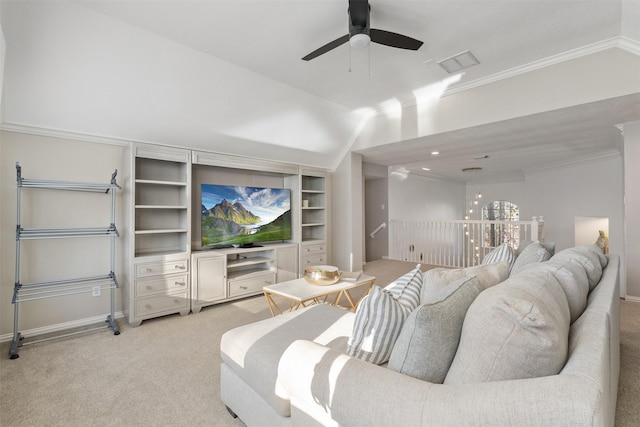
220	275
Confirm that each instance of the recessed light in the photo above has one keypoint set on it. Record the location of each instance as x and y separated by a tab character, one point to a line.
435	153
426	169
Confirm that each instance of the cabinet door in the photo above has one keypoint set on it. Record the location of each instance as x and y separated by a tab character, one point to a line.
287	262
208	282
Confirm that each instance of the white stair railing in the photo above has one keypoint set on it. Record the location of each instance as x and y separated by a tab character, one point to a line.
460	243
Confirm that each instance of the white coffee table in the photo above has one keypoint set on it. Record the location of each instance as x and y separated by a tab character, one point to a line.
302	293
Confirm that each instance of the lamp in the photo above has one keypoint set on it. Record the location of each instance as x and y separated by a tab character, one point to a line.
360	40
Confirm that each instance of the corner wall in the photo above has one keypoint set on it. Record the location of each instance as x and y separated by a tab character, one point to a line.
632	208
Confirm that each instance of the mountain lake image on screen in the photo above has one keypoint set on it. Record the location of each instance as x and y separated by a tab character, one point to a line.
243	215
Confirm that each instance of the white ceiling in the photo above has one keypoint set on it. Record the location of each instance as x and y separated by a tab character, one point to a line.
269	38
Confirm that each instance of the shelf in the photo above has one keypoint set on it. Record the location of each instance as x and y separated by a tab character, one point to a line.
247	274
157	252
60	233
50	289
24	292
158	182
162	231
248	261
177	207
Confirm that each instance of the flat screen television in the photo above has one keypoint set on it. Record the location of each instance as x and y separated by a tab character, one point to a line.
243	216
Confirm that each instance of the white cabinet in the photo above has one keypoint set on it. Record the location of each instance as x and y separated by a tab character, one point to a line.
208	279
287	263
160	240
225	274
158	288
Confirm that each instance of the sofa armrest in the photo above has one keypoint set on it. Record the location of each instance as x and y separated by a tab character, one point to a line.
328	385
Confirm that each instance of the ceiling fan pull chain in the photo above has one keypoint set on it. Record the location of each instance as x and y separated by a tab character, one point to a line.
369	57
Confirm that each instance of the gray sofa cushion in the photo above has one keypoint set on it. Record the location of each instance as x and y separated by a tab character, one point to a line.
517	329
252	351
572	276
590	256
533	252
437	279
430	336
381	315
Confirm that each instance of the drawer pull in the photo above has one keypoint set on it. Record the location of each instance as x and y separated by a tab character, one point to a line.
148	306
180	267
177	301
149	269
149	287
180	283
244	288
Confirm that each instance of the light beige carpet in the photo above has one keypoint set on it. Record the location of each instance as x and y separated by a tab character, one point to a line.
166	372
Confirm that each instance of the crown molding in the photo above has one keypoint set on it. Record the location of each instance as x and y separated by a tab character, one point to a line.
63	134
624	43
597	156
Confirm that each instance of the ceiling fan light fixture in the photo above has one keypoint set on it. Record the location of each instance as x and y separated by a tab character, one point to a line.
358	41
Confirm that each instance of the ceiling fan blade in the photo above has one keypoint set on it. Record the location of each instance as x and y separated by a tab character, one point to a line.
388	38
327	47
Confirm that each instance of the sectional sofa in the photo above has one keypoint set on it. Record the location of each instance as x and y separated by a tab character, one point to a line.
494	345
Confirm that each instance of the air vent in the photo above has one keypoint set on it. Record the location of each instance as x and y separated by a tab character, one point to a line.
458	62
473	169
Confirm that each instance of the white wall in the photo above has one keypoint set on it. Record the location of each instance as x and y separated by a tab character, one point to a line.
71	68
632	207
606	74
347	214
65	160
418	198
589	189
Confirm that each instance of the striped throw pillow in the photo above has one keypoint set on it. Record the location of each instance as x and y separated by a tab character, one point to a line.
501	253
381	315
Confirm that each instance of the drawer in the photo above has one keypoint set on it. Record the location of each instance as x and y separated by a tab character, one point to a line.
163	304
319	259
251	285
315	248
162	267
161	285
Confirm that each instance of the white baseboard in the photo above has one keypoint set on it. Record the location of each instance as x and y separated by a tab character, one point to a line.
631	298
61	326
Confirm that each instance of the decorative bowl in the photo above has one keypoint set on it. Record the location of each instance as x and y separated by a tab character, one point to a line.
321	274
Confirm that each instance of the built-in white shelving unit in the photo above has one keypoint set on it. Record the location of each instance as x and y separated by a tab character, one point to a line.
161	237
40	290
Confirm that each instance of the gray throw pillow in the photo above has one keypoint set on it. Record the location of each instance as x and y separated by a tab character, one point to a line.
532	253
517	329
430	336
438	278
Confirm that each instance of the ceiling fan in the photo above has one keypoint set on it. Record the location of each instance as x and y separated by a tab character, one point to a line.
360	33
